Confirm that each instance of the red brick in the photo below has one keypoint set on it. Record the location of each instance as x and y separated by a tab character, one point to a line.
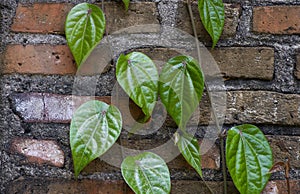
41	17
277	19
39	59
50	17
39	151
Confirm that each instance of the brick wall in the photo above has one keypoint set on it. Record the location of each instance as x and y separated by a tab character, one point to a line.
258	54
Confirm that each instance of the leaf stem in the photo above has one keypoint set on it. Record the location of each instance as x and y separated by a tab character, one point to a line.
209	95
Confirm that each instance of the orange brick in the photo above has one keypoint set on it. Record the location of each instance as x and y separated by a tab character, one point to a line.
39	59
41	17
277	19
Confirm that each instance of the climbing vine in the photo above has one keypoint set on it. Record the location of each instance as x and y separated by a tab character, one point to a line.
96	126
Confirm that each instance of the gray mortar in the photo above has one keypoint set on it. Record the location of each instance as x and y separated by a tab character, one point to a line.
12	126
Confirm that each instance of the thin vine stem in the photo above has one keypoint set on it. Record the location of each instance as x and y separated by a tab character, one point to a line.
210	97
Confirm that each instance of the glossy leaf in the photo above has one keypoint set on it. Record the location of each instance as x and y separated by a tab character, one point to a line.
138	76
126	3
84	28
146	173
95	127
181	87
212	17
249	158
189	148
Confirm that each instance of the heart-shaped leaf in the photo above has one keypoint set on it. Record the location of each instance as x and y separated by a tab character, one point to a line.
146	173
84	28
249	158
138	76
212	17
126	3
95	127
181	87
189	148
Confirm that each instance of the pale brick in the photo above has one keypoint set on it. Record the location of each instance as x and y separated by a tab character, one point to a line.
39	151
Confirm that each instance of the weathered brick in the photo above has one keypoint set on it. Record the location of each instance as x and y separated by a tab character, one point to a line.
245	62
138	14
276	19
39	59
50	17
286	147
37	107
41	17
234	62
232	13
297	70
39	151
280	187
261	107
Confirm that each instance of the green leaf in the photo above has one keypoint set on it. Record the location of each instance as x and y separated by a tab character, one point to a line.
181	87
146	173
189	148
249	158
126	3
95	127
84	28
138	76
212	16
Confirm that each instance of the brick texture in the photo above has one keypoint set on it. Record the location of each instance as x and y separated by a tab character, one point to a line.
39	59
50	17
243	62
39	151
242	107
41	17
277	19
232	13
286	147
234	62
38	107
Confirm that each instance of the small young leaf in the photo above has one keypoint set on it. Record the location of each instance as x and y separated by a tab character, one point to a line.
84	28
212	17
189	148
146	173
181	87
95	127
249	158
126	3
138	76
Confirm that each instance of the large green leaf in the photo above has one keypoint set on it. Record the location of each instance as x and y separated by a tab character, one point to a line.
212	16
138	76
126	3
84	28
189	148
181	87
95	127
146	173
249	158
